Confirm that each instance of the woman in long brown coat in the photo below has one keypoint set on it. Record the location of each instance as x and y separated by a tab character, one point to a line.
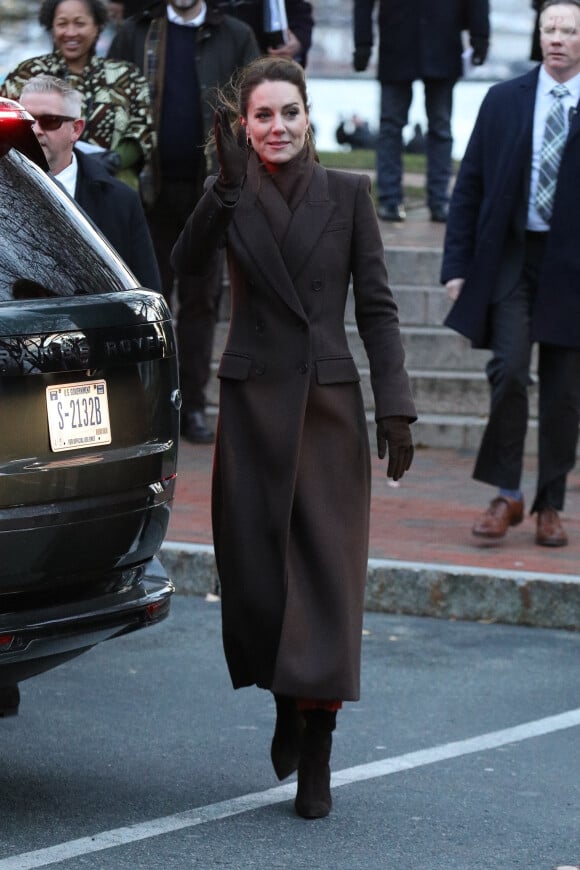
291	483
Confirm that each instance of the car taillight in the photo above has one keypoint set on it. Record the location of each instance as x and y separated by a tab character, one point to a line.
10	110
156	611
5	642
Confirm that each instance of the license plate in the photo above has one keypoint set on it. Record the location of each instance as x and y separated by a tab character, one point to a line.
78	415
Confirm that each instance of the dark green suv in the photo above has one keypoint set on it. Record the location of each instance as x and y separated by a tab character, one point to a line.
89	405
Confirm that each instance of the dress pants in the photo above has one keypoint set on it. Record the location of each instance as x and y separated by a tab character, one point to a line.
395	103
500	458
198	298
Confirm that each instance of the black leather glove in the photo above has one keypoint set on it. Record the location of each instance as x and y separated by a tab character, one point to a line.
480	46
396	433
361	57
109	160
232	153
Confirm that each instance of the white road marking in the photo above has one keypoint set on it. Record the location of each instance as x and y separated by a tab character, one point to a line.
247	803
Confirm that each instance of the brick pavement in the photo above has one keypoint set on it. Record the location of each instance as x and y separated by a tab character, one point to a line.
426	518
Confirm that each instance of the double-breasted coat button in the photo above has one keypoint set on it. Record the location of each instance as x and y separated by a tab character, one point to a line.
303	368
316	285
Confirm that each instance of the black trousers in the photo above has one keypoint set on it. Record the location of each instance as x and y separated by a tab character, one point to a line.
500	458
195	301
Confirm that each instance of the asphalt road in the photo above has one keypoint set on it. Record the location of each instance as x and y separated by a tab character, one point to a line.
462	755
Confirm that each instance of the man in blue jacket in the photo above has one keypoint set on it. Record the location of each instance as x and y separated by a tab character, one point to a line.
419	40
512	264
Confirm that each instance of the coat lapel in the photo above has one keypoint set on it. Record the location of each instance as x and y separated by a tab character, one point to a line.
522	149
308	222
278	267
574	129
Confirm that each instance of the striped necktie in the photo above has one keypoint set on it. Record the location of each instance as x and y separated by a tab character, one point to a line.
551	153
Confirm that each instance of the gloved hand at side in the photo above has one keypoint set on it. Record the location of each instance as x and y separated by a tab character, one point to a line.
395	433
361	57
480	46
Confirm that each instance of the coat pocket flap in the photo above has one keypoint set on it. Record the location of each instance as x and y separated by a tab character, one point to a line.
235	367
337	371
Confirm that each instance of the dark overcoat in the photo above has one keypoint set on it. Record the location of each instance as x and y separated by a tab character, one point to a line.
116	209
291	482
420	39
298	13
484	242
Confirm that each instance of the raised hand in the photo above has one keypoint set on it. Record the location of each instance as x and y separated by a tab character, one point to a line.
232	152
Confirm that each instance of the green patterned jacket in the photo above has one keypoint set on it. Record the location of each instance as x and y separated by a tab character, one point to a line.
116	101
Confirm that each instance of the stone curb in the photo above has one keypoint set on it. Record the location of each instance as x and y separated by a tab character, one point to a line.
422	589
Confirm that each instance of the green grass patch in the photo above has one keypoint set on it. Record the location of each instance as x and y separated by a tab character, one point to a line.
357	159
361	159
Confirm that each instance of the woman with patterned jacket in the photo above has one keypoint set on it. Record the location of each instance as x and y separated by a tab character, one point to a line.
119	126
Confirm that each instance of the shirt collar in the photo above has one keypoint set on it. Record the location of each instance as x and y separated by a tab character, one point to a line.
175	18
546	83
68	176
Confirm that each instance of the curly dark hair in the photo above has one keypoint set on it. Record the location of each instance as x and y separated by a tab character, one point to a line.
97	9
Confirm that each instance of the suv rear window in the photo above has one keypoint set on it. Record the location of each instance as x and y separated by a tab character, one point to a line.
44	239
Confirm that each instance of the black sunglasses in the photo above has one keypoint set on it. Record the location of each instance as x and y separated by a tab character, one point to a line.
51	122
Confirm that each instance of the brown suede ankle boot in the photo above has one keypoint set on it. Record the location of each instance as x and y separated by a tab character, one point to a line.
313	799
285	749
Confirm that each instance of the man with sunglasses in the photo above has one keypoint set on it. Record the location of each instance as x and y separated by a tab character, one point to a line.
113	206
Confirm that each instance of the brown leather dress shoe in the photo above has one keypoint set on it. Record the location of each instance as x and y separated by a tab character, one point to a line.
549	529
502	513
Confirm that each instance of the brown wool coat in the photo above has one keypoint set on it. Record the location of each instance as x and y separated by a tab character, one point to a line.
291	483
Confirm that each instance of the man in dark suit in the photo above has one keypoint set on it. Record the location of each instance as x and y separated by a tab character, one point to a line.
536	51
512	264
419	40
187	49
293	41
113	206
121	9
